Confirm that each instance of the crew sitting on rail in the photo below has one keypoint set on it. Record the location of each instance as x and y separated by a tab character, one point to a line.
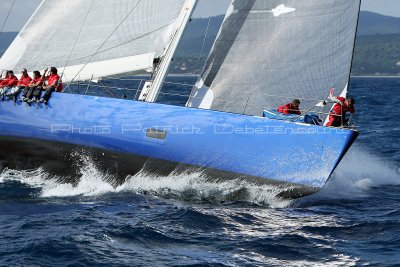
48	84
337	116
291	108
36	82
7	83
52	84
22	83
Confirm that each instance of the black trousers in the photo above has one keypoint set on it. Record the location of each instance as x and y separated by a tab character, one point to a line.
47	93
32	92
25	91
37	92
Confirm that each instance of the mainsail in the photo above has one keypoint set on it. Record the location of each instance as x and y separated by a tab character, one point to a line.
94	38
269	52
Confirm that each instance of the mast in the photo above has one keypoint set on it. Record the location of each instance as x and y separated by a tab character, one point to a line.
152	88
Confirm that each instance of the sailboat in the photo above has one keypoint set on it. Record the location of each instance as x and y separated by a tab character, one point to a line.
266	52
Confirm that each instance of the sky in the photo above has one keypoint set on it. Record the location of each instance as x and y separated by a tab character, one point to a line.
23	9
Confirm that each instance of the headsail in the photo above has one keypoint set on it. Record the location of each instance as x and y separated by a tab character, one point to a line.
269	52
106	37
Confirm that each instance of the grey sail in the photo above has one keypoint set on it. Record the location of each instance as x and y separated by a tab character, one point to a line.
269	52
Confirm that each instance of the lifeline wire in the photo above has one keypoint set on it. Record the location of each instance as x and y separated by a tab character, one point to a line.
79	34
105	41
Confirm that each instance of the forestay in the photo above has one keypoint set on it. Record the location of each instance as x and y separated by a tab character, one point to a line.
94	38
269	52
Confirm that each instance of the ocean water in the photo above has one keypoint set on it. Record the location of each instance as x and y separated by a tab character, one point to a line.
185	220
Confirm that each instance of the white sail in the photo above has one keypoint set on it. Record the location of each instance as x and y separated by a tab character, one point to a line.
269	52
94	37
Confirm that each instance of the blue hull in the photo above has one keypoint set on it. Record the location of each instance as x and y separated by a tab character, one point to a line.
302	156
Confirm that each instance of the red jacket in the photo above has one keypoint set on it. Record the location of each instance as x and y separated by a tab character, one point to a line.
9	81
342	109
55	78
3	79
36	81
24	80
289	109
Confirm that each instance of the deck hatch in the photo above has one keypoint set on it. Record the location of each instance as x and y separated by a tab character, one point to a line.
156	133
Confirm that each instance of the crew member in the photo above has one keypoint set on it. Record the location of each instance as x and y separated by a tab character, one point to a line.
291	108
10	81
36	82
22	83
337	117
53	83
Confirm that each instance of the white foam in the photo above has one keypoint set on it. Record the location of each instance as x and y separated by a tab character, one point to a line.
194	186
358	172
91	183
31	177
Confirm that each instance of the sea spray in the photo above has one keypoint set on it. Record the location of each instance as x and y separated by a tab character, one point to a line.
357	173
190	186
194	186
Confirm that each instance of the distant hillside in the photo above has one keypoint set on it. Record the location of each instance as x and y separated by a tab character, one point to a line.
373	23
377	54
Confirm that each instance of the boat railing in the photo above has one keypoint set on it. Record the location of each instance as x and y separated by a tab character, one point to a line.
281	99
131	91
134	86
311	106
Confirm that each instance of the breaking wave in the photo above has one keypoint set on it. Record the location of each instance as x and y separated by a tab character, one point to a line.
190	186
358	172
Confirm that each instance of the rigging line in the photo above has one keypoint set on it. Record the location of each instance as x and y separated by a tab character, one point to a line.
124	43
207	29
108	89
105	41
273	96
76	40
8	14
206	33
201	51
